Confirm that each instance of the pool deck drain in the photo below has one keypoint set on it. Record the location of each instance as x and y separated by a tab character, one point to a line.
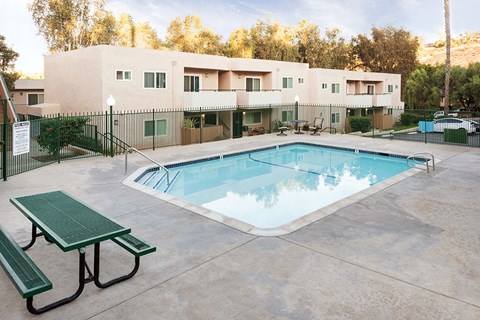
408	251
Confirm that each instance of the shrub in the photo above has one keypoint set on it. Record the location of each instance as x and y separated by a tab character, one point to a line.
409	118
69	129
362	124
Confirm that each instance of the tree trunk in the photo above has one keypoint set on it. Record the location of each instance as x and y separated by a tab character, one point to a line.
446	100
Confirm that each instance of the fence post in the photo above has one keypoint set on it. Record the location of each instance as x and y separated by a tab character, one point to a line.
425	122
58	137
373	125
4	142
154	132
105	132
201	125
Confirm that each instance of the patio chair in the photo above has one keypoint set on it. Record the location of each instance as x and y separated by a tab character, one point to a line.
282	130
317	126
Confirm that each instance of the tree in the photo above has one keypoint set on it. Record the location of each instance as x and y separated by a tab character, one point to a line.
146	37
71	24
446	101
125	31
7	63
420	91
273	41
189	35
389	50
240	44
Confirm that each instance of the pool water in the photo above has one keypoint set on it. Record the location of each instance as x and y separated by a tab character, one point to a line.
270	188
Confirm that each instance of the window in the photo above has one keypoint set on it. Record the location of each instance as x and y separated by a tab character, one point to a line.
253	117
253	84
300	80
287	115
210	119
35	98
390	111
335	87
335	117
370	89
191	83
159	130
324	86
156	80
123	75
390	88
287	83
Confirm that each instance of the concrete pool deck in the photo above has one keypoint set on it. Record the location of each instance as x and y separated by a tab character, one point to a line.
408	251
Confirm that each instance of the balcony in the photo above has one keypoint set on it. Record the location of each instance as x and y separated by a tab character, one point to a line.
360	100
208	99
384	100
250	98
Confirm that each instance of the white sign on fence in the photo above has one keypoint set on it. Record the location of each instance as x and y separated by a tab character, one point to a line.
21	137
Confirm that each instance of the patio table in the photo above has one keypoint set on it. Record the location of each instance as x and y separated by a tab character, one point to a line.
71	225
297	123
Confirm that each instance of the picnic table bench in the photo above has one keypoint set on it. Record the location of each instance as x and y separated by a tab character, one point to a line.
71	225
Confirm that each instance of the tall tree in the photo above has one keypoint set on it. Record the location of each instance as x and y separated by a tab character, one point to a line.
188	35
273	41
388	50
239	44
125	31
68	24
446	100
7	63
146	37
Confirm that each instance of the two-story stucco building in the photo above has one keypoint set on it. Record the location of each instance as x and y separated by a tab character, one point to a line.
235	93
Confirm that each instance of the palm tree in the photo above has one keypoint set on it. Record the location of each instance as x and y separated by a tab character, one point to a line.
446	6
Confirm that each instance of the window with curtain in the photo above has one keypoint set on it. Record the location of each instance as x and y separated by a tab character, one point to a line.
253	84
191	83
287	115
160	128
335	117
253	117
287	83
156	80
35	98
335	87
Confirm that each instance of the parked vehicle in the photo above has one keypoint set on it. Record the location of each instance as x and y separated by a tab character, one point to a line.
440	125
440	114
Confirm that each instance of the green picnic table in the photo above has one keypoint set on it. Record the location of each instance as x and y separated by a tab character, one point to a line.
71	225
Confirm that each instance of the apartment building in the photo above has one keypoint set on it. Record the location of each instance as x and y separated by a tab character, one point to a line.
234	93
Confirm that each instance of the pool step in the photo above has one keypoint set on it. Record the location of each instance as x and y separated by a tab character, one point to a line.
155	179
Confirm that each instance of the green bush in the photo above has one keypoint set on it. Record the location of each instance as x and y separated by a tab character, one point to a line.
362	124
69	129
408	119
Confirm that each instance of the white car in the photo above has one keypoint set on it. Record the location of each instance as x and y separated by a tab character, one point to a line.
453	123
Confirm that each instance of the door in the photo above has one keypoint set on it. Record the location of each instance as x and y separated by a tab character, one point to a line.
237	124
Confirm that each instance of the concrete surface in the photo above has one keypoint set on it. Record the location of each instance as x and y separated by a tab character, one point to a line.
409	251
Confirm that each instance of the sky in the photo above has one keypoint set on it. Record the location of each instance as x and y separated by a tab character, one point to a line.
423	18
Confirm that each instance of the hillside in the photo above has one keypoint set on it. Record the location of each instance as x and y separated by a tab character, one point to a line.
461	55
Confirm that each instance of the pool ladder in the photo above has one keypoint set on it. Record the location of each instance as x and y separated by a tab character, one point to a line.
131	149
421	158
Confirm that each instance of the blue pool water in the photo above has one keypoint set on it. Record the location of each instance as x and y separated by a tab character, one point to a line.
272	187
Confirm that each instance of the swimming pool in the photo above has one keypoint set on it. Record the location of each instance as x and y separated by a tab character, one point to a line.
275	189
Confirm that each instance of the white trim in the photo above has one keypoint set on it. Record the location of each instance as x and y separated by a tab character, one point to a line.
155	72
123	75
288	77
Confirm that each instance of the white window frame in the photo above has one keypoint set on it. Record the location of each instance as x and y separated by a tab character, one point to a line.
390	88
324	85
301	80
289	83
38	98
335	117
335	87
155	76
255	123
155	133
253	84
123	75
373	89
199	81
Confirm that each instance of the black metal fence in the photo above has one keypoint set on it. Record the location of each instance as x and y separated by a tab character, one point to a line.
62	137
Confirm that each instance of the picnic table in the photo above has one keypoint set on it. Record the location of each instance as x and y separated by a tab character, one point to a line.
71	225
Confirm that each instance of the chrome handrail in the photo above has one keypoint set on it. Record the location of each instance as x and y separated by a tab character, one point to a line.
130	149
422	155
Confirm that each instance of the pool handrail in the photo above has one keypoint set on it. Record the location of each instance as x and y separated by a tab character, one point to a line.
422	156
131	149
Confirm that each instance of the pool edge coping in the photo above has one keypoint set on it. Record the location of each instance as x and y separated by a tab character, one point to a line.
283	229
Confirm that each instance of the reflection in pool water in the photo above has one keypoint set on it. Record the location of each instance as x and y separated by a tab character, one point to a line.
273	187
